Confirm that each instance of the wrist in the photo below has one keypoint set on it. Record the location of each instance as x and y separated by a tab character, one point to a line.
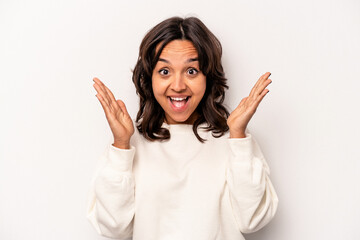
121	145
239	134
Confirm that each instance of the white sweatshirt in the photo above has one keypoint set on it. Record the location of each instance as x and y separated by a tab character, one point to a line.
182	189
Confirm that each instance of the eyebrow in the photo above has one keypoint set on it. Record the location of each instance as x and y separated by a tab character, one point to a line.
187	61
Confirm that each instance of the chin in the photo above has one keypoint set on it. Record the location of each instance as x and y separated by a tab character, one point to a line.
179	119
183	119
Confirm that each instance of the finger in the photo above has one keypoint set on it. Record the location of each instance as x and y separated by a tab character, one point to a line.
261	96
112	98
99	87
101	93
97	81
261	79
263	86
104	105
103	88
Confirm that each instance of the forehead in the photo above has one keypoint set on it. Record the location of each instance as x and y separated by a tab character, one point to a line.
178	48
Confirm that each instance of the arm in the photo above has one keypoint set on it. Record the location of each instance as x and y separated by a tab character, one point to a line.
111	203
252	195
112	198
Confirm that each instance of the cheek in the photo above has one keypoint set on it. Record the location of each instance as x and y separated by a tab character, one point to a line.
201	87
158	88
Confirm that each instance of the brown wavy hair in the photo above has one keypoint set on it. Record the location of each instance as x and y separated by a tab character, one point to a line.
211	110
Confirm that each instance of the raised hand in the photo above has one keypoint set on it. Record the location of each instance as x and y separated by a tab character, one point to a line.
116	114
240	117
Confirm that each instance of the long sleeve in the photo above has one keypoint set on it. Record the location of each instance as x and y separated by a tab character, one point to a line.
252	195
111	204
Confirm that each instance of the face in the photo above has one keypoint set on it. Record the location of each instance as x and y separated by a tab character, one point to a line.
177	82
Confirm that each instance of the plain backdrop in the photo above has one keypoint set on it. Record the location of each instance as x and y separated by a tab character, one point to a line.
53	128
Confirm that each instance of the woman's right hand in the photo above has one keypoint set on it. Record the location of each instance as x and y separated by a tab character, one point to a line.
116	114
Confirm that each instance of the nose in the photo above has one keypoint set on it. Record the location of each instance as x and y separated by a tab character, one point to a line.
178	83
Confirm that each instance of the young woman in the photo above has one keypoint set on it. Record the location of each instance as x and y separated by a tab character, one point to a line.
189	169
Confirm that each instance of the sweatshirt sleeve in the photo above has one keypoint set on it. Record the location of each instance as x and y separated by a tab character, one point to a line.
111	204
252	195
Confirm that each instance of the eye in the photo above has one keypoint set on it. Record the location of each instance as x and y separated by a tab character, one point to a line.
164	71
192	71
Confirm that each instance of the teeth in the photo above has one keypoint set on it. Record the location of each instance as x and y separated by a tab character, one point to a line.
178	99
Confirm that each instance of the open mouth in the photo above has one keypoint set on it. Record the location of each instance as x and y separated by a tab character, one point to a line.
179	103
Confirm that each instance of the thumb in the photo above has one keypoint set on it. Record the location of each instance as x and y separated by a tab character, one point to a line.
122	107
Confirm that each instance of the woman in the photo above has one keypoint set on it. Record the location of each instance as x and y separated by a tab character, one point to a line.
190	170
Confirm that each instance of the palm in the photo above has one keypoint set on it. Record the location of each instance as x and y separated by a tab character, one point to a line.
120	122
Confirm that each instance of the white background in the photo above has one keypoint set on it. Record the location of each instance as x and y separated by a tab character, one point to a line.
53	128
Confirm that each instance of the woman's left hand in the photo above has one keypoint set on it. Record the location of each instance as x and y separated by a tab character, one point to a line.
240	117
